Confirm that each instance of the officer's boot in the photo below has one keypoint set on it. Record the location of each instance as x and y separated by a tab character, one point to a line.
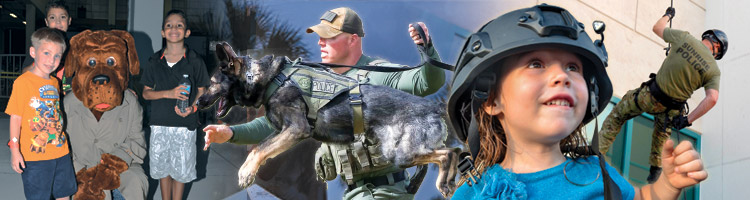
654	173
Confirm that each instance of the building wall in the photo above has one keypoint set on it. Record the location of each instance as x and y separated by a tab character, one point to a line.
145	17
725	127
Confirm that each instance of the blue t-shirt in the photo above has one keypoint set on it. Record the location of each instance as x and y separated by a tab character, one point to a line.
497	183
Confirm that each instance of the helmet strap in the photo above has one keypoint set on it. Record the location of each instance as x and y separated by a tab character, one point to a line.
712	39
466	165
479	94
611	190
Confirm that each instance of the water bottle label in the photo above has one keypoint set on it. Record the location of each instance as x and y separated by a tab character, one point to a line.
187	90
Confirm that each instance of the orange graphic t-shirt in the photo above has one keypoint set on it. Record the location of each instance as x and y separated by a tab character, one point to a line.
37	101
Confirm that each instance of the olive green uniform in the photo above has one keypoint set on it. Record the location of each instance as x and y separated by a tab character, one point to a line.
689	66
421	81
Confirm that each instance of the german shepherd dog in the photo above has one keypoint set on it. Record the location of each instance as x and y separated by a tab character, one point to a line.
410	129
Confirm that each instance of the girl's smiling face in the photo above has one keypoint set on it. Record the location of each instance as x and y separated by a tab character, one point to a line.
542	96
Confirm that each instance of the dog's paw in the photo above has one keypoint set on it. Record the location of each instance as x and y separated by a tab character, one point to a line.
447	188
447	192
247	172
246	179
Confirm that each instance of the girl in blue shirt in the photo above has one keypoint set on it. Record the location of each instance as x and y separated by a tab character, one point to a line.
526	84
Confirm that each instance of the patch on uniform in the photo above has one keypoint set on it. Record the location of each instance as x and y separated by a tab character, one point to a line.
384	63
323	86
377	62
328	16
304	83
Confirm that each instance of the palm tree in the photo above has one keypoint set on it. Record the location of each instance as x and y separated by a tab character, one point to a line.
253	30
256	32
212	26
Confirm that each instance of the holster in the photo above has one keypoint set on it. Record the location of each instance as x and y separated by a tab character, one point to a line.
659	95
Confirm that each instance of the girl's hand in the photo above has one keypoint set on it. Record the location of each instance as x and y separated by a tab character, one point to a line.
16	161
217	134
682	165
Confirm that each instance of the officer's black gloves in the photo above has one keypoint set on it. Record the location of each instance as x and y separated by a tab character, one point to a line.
670	13
680	122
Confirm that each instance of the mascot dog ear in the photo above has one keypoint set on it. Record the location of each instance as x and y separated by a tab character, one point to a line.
133	64
72	59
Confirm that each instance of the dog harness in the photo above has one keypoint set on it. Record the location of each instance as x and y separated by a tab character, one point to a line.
318	88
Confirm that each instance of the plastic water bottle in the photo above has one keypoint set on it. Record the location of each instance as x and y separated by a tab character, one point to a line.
184	105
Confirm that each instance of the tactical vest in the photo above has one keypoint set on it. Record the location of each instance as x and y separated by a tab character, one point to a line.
360	157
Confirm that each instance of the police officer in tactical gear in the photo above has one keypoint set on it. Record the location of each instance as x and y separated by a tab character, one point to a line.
360	165
690	65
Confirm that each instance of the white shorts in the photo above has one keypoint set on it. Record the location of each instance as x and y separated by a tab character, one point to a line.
172	153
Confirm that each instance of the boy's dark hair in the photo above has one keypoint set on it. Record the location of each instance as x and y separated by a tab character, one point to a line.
175	12
57	4
48	35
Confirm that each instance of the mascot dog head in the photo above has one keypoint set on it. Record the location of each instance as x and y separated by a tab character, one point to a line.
101	62
239	80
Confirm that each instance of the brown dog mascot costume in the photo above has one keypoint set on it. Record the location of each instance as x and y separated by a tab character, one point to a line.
103	118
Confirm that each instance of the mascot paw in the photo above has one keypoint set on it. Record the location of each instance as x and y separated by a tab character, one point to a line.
108	172
87	189
114	163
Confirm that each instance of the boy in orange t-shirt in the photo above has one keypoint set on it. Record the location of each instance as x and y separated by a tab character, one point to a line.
38	146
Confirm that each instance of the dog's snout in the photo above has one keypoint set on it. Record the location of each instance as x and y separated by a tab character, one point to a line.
100	79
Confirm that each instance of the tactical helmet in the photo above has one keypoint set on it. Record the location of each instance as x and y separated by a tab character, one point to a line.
719	36
523	30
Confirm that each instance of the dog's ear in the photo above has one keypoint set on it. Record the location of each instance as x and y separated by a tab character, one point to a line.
270	65
133	63
225	52
220	54
76	43
278	63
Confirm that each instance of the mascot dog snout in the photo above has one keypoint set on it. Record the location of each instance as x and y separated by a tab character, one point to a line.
101	70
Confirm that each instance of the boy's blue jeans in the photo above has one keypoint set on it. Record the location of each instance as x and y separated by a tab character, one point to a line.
116	195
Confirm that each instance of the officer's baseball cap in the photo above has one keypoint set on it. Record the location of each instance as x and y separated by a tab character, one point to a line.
337	21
